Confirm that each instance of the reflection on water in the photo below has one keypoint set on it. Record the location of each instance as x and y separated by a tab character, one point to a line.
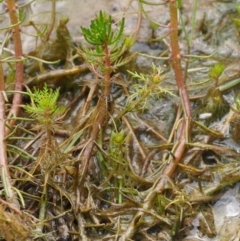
79	13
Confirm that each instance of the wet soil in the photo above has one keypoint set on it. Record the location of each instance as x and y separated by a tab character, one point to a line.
203	198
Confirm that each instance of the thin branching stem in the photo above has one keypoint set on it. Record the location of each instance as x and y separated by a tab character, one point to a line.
52	23
5	174
86	155
19	74
180	146
107	79
176	59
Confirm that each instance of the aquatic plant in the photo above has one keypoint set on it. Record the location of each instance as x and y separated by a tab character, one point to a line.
44	107
105	58
16	18
180	144
17	225
114	169
215	72
47	113
109	47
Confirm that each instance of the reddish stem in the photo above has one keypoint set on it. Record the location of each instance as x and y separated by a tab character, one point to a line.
52	22
17	98
176	59
180	146
100	113
107	79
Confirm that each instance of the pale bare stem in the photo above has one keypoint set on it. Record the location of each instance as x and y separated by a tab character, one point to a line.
3	157
139	22
157	133
17	98
56	74
141	150
4	170
52	23
89	99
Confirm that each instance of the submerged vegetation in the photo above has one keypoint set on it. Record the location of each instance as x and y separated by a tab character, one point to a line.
92	147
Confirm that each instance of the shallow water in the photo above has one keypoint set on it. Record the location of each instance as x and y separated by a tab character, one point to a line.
212	36
227	208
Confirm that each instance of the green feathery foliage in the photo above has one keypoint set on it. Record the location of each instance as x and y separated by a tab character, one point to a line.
148	86
44	106
101	35
100	31
216	70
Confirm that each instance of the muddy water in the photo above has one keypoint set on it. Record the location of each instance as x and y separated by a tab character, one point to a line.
211	17
80	12
205	39
210	35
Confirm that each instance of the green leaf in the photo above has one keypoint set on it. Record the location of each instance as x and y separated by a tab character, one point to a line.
44	106
216	70
100	31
